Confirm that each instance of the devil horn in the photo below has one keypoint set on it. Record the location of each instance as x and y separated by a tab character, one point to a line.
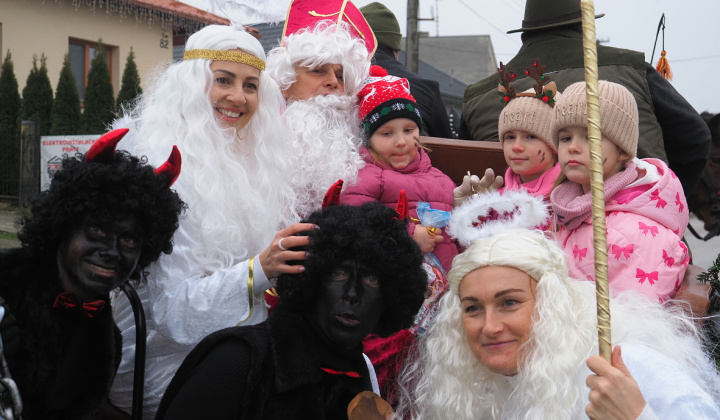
103	150
171	168
402	206
332	196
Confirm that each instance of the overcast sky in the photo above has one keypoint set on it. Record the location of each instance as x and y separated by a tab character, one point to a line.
692	28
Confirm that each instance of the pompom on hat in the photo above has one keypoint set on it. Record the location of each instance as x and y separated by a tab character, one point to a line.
384	98
618	114
493	212
532	110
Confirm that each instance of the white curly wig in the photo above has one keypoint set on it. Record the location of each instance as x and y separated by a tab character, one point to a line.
236	184
446	381
325	43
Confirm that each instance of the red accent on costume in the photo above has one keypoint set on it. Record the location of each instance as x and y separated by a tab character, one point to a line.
103	150
338	372
171	167
402	208
332	196
90	308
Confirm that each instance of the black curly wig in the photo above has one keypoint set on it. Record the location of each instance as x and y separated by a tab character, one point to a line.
369	234
101	193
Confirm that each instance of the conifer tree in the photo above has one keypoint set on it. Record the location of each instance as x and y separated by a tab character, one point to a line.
37	95
99	109
9	128
65	114
130	88
9	100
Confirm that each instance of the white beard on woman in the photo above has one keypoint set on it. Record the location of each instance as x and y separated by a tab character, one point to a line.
326	142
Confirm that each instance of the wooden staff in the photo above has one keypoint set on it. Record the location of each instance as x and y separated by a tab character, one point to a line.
596	178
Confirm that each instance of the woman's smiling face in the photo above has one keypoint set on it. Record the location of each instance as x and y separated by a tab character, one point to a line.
234	93
497	305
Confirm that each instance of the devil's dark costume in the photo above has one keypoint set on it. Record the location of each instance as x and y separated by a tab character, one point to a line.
67	359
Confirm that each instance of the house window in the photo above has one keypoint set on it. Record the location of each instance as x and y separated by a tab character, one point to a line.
81	55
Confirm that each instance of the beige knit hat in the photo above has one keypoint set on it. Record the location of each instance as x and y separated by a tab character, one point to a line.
618	114
530	114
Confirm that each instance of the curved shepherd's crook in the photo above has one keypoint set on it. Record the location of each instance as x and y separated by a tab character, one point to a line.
596	178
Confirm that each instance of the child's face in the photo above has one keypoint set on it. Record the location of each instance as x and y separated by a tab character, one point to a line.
574	156
526	154
397	142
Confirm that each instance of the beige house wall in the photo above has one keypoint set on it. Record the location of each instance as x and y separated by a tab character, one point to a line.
30	27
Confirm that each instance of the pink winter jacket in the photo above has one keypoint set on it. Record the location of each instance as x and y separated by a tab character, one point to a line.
377	181
644	226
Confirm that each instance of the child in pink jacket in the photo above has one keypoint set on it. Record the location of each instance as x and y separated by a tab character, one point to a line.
395	161
644	201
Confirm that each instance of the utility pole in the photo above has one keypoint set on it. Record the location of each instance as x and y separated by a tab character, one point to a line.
413	38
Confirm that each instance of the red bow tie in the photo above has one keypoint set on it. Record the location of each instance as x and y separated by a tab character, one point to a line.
68	300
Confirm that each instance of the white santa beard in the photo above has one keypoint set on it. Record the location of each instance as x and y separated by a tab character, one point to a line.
325	145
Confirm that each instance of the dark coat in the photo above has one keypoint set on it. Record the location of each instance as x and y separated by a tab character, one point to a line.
267	371
66	361
425	91
670	128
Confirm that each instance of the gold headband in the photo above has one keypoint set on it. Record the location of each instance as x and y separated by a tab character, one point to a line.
222	55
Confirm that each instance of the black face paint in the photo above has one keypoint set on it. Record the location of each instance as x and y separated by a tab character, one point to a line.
543	156
349	304
93	259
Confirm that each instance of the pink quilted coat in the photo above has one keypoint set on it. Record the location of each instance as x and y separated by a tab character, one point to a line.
644	226
421	181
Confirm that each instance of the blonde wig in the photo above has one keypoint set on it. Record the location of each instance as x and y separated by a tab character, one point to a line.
446	381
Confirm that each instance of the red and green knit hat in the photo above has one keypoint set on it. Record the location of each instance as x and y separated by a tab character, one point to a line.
384	98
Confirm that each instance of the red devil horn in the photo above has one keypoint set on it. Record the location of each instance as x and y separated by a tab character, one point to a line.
171	168
402	206
332	196
103	150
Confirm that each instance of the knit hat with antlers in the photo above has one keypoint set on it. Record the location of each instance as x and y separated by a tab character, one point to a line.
531	110
384	98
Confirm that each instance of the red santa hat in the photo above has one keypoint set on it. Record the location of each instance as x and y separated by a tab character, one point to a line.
384	98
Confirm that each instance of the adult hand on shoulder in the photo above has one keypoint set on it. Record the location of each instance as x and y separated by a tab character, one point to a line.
472	185
275	258
614	394
425	240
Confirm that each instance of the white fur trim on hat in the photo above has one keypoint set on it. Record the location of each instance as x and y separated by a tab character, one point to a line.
490	213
